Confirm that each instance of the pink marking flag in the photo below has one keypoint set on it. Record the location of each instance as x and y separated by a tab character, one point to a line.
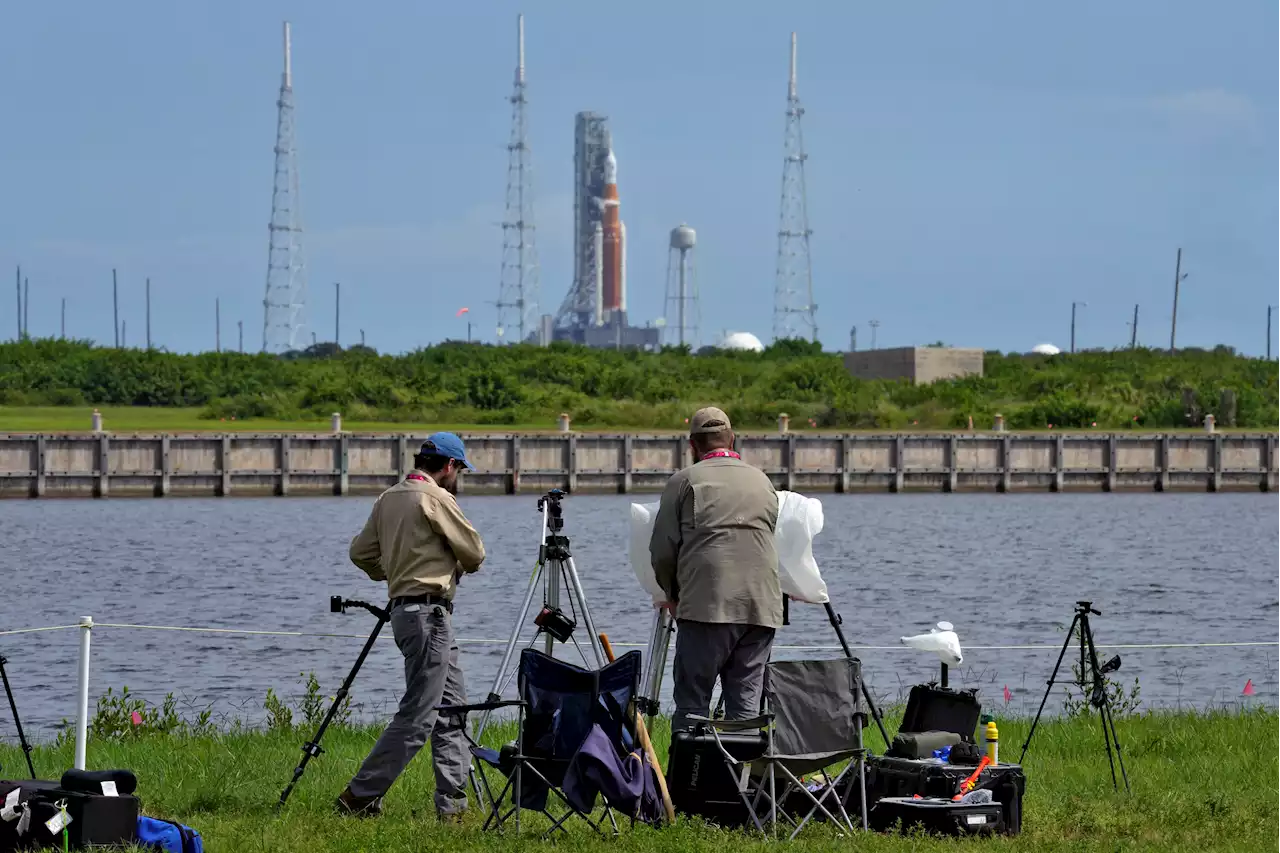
1248	688
1007	694
135	718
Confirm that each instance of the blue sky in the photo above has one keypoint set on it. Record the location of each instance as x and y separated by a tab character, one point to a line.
973	168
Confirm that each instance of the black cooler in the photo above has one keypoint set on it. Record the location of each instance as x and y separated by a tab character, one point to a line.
97	820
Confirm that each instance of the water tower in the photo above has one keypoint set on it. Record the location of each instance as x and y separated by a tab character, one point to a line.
681	327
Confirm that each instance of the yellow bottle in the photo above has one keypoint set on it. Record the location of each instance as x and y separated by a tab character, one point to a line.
993	743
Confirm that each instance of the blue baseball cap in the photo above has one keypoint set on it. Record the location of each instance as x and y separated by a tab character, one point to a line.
446	444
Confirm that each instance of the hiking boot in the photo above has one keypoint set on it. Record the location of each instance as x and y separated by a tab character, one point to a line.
449	817
348	803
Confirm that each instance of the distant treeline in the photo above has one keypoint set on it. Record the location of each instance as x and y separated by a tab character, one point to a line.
481	384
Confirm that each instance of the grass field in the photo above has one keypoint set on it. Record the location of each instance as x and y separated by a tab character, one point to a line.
1200	782
69	419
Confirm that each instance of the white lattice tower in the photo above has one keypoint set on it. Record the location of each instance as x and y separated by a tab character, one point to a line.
794	311
285	303
518	288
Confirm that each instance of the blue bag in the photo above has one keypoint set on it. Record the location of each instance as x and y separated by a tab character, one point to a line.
168	836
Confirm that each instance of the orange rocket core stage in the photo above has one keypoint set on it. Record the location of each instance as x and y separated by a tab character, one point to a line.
611	274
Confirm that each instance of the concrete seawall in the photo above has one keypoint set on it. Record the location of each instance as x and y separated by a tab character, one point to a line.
235	464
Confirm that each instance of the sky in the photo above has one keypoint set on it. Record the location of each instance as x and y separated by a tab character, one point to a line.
972	170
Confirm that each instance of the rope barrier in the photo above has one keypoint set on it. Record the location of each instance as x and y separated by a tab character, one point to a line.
1035	647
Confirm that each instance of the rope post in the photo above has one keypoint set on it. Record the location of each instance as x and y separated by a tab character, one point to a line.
82	696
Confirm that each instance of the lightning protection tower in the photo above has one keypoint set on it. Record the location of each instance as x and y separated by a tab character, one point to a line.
518	288
286	299
793	306
682	313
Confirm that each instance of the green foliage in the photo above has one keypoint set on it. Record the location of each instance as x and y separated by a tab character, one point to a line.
480	384
114	719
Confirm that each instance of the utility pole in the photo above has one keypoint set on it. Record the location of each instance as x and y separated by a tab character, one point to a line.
874	324
148	314
1133	335
1270	308
124	329
337	311
362	337
240	326
64	318
217	325
853	339
19	303
1073	322
26	307
1178	276
115	307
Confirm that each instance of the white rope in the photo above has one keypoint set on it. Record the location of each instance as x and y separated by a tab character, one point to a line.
488	642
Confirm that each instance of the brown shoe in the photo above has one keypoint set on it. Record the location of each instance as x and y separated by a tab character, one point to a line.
449	817
348	803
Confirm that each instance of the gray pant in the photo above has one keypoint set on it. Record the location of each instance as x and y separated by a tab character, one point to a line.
432	677
735	653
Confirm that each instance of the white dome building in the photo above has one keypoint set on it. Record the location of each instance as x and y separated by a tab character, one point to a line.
742	341
1045	349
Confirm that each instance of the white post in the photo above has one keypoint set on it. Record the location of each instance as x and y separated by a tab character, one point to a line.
1210	423
97	421
564	422
335	422
784	423
82	698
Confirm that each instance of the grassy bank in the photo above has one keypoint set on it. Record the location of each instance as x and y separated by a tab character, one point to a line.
509	387
1200	782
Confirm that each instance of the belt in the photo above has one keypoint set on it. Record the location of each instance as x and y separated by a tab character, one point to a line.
430	600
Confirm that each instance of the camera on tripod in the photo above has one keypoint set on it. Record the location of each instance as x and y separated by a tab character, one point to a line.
555	512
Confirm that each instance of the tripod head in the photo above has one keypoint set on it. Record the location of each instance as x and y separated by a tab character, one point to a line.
1085	607
550	503
338	604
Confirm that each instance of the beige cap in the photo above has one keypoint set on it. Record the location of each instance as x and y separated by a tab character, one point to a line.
708	420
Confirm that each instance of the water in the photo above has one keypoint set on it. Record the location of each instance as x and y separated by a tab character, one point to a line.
1005	569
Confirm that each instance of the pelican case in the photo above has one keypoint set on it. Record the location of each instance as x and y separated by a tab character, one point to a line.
97	820
941	709
700	781
943	817
889	777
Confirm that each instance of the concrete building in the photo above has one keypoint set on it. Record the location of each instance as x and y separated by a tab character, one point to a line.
921	365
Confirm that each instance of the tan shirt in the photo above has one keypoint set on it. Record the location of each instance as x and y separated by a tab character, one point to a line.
712	547
417	540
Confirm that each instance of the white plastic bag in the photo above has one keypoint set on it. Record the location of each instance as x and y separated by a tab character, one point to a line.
799	520
942	641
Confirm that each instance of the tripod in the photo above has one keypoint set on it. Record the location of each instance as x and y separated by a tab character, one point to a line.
310	749
555	568
660	643
1098	697
17	723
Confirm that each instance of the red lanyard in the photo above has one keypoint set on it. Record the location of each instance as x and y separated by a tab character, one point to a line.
416	477
721	454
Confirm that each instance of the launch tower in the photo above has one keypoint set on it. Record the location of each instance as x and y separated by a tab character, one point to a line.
518	288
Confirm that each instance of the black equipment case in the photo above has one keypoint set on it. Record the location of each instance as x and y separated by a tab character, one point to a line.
699	780
96	820
940	816
903	777
941	709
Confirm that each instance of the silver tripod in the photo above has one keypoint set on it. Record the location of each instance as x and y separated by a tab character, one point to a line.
556	570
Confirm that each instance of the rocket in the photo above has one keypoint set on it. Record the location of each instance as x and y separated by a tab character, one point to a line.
612	271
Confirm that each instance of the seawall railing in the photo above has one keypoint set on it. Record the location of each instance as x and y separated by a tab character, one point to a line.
106	464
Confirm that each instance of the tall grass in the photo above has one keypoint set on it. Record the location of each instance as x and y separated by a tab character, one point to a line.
1201	781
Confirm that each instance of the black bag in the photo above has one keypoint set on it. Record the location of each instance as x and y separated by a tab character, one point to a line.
940	816
941	709
901	777
701	783
95	819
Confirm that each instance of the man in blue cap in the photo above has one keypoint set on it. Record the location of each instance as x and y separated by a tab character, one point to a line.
420	543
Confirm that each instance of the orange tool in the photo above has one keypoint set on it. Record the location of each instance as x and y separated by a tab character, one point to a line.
972	781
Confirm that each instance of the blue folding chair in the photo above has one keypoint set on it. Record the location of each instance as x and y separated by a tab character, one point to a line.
559	706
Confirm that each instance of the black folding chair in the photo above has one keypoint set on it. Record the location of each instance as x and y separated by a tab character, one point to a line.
559	705
812	720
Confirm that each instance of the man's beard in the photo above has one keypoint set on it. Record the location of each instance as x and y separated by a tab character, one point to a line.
451	485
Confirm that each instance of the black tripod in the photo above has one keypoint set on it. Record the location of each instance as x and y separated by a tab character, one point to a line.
1097	689
17	723
310	749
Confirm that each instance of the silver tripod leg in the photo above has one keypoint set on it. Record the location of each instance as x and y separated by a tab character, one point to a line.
575	585
495	693
659	647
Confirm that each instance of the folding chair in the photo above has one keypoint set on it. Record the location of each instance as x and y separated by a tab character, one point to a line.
559	705
812	719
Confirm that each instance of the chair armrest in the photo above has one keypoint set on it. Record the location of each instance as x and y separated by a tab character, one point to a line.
753	724
479	706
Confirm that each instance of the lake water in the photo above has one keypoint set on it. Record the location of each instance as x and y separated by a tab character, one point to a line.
1006	569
